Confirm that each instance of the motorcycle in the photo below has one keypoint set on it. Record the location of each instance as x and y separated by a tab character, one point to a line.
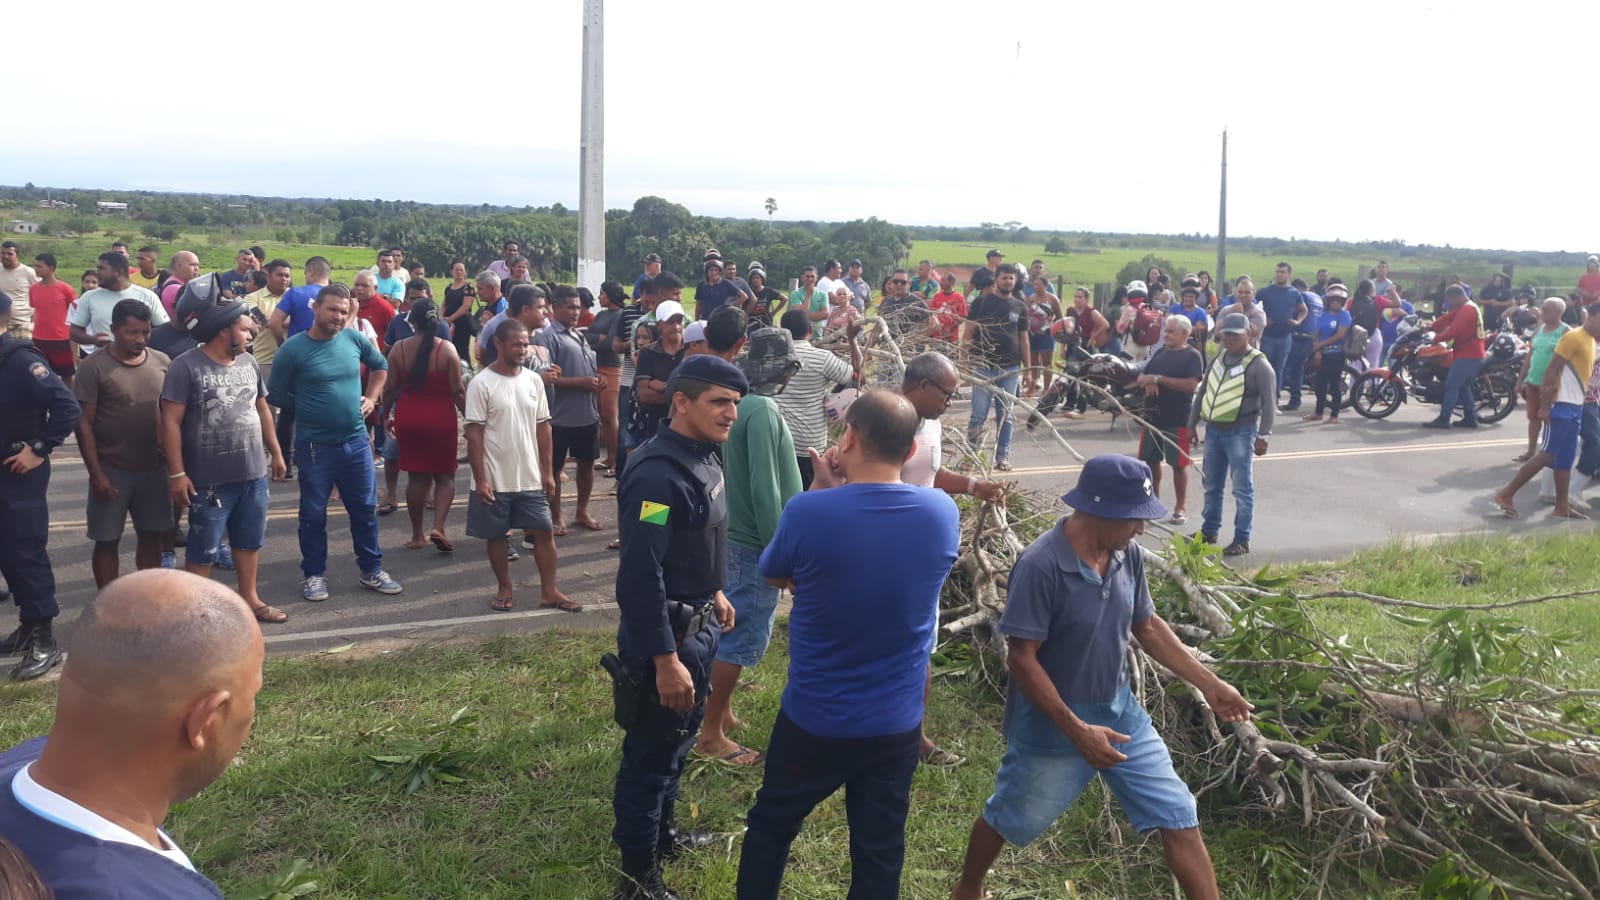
1108	380
1417	369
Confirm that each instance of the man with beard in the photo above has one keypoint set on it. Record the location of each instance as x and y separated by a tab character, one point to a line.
997	329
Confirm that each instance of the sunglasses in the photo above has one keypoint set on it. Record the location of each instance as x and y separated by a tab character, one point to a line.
949	396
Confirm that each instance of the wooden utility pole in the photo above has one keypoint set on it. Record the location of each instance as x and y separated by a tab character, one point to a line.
1220	285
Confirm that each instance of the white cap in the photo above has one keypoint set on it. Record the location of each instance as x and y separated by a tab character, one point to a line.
666	309
695	332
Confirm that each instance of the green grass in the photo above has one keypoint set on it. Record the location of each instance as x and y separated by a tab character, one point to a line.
1102	267
534	819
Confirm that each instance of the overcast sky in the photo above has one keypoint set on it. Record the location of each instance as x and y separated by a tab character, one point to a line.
1463	123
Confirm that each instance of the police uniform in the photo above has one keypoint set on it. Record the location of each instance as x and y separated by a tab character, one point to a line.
37	411
672	514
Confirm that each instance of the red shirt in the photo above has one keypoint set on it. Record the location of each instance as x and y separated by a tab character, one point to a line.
951	308
50	303
378	313
1589	284
1464	326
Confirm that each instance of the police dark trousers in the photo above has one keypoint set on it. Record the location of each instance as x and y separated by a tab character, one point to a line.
36	410
672	515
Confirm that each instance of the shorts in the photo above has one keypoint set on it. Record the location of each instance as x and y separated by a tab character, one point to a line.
576	441
1560	436
527	510
60	355
1174	451
755	606
1035	786
391	450
1041	343
144	494
238	509
1534	397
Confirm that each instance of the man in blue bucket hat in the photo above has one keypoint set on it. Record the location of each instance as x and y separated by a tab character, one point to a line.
1074	598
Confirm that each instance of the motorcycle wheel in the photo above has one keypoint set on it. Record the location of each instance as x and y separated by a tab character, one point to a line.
1375	397
1494	397
1351	374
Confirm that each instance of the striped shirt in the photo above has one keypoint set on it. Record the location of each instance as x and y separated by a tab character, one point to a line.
801	401
626	322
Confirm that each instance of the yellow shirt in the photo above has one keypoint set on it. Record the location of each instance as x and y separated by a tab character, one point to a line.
137	277
1574	353
264	346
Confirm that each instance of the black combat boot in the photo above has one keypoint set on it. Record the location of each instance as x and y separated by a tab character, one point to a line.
641	878
41	654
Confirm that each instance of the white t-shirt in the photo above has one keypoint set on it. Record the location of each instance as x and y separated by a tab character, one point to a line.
16	282
828	285
92	312
47	804
927	455
509	408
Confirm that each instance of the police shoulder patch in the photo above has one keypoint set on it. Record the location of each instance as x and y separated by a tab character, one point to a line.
654	513
39	370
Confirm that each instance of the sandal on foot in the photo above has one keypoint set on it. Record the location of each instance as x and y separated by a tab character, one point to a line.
937	757
568	605
270	615
1237	548
742	756
388	509
442	545
1178	518
502	604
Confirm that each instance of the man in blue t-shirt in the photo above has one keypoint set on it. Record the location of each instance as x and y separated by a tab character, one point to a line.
860	633
1074	598
1284	307
318	373
715	292
154	703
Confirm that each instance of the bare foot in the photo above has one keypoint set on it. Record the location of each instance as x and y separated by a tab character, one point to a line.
1332	420
586	521
1311	418
1500	500
416	543
1522	457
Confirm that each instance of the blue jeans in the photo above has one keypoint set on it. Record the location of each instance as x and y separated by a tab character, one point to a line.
804	769
983	398
1277	351
1229	454
1294	375
1589	434
347	466
1458	391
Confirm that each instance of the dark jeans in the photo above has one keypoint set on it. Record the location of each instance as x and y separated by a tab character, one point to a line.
654	749
1589	434
1458	391
808	472
1294	376
348	467
1330	382
285	428
1277	351
803	770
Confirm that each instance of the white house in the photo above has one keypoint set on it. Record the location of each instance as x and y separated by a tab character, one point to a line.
110	206
22	226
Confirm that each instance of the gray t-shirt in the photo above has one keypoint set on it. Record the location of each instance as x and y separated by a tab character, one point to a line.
221	430
1084	622
570	408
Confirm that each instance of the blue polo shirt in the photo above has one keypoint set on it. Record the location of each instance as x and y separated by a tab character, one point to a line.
1083	621
1279	304
1308	326
864	612
1329	325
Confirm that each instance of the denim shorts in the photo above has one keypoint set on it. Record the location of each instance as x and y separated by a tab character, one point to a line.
755	605
1035	786
528	510
238	509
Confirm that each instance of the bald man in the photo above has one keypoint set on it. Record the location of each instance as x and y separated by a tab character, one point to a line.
185	266
155	700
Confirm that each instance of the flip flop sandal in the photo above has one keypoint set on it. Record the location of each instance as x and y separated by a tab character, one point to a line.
388	509
502	604
742	752
568	605
939	758
1178	518
442	545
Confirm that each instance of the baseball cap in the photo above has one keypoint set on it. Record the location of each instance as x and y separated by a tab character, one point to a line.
1113	486
768	358
652	257
669	309
1234	323
994	253
696	331
857	263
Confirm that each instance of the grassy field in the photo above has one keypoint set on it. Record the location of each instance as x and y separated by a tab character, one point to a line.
533	818
1102	267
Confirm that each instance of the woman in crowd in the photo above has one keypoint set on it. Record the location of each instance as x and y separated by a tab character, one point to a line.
458	300
587	298
763	300
1044	309
613	297
1327	354
425	391
1550	330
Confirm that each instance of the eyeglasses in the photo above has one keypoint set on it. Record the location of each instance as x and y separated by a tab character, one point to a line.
949	396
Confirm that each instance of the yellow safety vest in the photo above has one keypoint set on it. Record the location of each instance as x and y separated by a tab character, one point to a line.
1224	390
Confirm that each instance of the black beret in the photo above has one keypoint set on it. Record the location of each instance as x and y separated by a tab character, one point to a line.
712	370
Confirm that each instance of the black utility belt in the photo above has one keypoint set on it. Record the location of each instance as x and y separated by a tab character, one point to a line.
689	619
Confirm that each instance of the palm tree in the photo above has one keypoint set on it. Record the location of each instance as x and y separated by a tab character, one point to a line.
772	207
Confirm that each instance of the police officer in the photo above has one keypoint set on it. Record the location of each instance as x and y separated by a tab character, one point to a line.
673	520
37	412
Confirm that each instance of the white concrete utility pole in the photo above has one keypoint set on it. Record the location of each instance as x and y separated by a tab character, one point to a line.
592	162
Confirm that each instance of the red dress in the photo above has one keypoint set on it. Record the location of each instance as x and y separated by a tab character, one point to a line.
425	423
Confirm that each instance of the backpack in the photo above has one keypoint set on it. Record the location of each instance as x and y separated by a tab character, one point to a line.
1355	342
1147	326
1364	312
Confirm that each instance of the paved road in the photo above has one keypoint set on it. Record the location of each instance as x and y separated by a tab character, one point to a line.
1321	492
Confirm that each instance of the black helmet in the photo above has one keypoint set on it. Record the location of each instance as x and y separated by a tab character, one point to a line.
1503	348
203	311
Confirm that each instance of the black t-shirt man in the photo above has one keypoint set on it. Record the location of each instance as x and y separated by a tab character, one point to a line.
1171	405
655	363
1002	327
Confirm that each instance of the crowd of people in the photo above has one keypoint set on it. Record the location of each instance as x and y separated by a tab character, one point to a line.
745	440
